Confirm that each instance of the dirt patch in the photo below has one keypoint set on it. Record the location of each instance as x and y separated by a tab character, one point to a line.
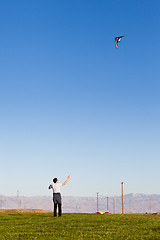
24	211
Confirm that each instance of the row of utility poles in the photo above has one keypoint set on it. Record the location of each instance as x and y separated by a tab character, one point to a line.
121	201
107	204
113	201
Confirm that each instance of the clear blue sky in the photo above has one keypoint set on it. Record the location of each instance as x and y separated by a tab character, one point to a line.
71	103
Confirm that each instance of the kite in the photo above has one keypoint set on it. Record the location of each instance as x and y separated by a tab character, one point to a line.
117	40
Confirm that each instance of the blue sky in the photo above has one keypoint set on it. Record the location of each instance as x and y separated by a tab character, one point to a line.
71	103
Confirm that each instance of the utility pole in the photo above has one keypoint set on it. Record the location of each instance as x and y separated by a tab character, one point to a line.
122	196
130	205
17	198
114	205
0	204
150	205
107	204
97	202
22	205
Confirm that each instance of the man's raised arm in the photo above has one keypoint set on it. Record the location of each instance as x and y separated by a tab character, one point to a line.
66	181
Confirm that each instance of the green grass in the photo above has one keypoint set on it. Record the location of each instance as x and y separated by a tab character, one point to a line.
78	226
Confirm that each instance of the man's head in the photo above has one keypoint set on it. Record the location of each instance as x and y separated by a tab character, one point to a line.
55	180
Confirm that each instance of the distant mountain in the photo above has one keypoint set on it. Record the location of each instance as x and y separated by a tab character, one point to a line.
133	203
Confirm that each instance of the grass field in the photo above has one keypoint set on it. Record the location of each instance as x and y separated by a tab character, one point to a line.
78	226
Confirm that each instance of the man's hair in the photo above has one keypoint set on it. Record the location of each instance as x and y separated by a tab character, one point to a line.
55	180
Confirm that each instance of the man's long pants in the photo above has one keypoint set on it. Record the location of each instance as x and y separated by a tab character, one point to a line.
59	209
57	201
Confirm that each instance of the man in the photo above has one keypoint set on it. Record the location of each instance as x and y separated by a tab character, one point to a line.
57	195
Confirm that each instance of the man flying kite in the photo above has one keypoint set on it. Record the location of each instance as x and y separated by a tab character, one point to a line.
57	195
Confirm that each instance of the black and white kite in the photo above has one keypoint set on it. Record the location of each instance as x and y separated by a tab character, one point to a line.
117	40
